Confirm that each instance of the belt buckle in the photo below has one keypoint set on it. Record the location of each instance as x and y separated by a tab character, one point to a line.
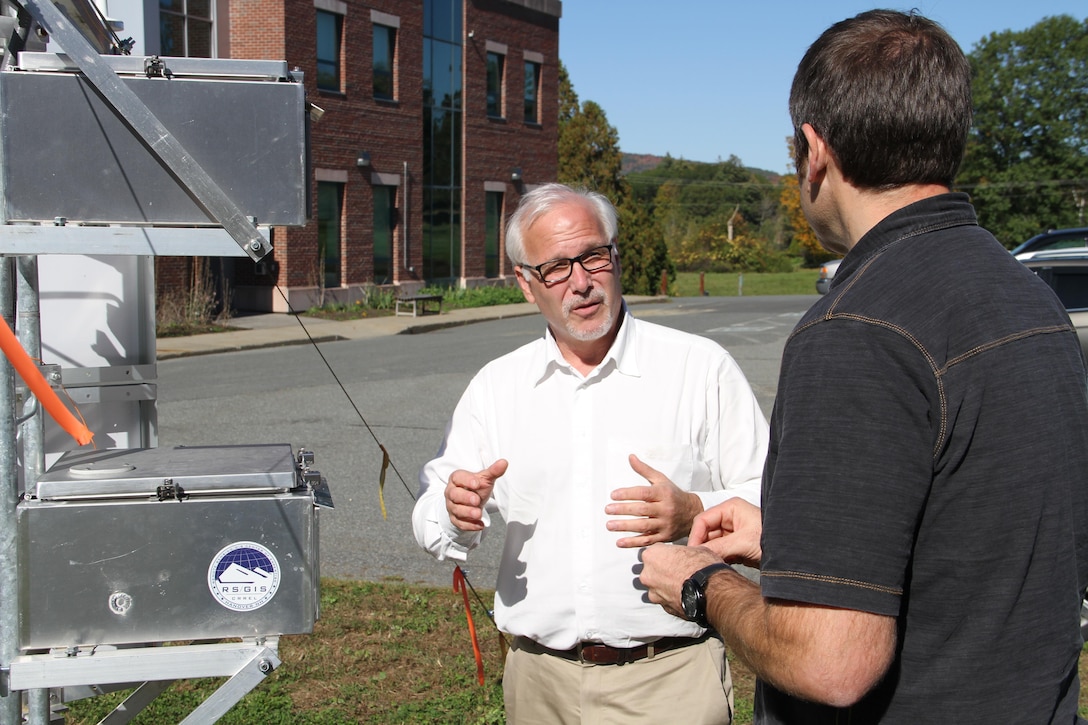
593	659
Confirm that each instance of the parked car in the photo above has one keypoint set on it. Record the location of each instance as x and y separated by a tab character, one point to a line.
827	273
1067	274
1065	269
1074	240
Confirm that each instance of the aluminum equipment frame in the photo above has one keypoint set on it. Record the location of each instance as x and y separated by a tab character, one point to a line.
74	673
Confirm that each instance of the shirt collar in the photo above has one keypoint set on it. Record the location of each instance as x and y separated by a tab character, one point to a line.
942	211
621	356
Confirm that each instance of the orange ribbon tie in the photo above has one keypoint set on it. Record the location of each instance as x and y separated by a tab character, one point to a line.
459	585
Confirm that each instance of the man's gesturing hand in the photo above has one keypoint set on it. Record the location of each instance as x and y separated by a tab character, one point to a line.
732	530
467	493
664	510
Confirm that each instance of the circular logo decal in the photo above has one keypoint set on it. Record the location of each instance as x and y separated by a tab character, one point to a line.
244	576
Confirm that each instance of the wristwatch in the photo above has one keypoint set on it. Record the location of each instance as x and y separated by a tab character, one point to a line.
693	594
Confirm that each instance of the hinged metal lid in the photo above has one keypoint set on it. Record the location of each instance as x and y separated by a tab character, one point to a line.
170	473
176	68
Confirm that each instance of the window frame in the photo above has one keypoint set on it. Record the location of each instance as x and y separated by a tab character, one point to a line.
387	75
493	224
388	214
533	71
495	96
325	226
337	59
391	25
186	19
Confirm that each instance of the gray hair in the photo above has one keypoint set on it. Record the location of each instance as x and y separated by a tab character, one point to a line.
542	200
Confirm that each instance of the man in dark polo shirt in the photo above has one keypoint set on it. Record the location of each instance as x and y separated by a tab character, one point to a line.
923	543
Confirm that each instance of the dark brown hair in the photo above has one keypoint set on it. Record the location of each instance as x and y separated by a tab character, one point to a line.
890	92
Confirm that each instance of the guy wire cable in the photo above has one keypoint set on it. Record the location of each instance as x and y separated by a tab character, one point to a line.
385	454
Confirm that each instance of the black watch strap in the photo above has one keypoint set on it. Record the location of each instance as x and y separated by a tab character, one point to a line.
694	592
702	576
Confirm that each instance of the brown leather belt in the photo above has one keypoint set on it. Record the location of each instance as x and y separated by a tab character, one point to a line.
601	654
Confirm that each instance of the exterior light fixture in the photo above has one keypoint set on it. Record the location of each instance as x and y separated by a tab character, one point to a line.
363	159
515	175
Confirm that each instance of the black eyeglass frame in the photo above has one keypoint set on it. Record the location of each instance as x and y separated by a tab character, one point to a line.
580	259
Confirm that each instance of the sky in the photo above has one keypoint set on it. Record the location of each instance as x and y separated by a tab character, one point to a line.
704	80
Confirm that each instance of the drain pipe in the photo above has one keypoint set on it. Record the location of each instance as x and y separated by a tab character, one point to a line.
405	218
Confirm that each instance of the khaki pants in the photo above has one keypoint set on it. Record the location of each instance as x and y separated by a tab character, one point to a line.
690	685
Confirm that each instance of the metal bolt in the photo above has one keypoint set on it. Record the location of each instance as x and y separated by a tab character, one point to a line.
255	245
264	666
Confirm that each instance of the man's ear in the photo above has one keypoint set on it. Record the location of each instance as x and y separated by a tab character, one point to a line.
521	274
819	154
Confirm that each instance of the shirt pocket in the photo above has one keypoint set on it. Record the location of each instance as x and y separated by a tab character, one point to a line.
677	462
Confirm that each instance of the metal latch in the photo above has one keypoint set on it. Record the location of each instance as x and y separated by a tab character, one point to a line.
155	67
170	491
313	480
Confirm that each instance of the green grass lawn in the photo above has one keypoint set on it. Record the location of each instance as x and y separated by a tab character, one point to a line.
383	652
715	284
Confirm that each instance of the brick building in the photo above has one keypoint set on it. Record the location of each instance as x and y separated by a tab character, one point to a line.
435	116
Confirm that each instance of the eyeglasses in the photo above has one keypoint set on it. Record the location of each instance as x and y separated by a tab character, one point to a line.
559	270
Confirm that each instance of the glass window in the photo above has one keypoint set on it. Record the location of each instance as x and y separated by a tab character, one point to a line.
185	28
329	28
442	20
495	63
492	224
385	39
442	74
532	92
440	236
330	200
385	217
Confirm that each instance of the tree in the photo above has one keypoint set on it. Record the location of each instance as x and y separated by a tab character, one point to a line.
804	241
1026	165
589	156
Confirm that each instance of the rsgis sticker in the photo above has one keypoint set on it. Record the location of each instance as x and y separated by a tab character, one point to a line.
244	576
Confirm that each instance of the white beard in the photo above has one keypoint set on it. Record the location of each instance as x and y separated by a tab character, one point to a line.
593	333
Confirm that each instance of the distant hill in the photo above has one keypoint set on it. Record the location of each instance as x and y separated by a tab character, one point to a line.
633	163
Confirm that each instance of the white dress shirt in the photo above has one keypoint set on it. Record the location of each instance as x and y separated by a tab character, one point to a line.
676	400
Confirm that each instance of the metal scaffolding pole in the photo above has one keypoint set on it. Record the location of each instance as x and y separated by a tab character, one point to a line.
10	702
32	425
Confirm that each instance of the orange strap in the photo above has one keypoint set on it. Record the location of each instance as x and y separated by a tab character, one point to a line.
30	374
460	586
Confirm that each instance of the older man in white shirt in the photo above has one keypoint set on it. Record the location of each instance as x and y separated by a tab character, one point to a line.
605	435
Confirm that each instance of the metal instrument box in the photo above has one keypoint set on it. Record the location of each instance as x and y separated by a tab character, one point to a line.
170	544
67	153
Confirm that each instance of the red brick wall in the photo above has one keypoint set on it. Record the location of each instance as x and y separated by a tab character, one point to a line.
392	132
172	273
494	147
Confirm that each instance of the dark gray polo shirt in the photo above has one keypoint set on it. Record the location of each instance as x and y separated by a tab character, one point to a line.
928	461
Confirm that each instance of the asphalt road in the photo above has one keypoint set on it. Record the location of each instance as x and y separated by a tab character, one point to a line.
343	399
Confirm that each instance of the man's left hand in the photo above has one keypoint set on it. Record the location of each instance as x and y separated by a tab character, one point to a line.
665	568
664	511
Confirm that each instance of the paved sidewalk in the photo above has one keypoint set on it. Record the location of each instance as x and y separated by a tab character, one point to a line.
278	328
274	329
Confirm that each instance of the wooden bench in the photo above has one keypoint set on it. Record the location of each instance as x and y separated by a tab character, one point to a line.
416	305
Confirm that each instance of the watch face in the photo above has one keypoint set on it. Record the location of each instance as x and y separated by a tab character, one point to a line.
689	599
